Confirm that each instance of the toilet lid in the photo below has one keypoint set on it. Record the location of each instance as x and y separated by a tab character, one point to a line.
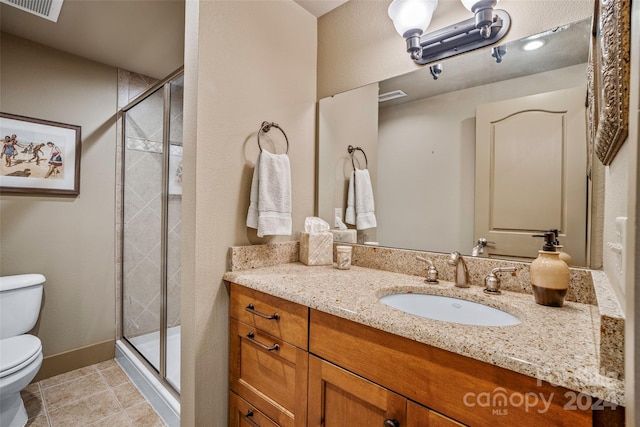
18	352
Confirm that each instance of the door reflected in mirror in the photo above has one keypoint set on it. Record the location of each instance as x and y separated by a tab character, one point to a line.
445	173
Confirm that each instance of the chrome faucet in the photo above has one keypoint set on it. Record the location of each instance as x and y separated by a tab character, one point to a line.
432	273
462	274
478	249
492	282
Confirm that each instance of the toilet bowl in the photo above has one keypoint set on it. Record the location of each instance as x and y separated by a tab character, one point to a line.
20	353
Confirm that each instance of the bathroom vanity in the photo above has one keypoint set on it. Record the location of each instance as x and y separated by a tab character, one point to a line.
314	346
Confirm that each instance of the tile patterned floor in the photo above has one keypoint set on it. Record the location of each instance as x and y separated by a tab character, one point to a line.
98	395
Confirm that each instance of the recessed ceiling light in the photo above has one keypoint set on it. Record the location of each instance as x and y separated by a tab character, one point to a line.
533	45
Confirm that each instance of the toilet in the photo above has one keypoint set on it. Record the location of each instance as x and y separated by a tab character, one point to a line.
20	353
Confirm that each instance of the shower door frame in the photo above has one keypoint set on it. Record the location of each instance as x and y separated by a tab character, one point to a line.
164	85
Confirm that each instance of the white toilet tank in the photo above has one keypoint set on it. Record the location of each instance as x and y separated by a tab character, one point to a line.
20	299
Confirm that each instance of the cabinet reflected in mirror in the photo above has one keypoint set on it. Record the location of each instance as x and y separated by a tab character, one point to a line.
423	148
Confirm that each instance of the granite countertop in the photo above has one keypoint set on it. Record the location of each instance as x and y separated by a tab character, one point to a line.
558	345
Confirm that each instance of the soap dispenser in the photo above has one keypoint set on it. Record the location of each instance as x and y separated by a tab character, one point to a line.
549	274
559	248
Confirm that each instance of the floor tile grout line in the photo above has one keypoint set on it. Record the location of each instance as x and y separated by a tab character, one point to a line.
124	410
44	403
145	400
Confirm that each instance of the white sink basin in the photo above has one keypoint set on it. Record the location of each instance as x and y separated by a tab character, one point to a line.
449	309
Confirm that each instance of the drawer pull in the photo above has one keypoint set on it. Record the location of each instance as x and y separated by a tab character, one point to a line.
252	309
391	423
249	418
252	338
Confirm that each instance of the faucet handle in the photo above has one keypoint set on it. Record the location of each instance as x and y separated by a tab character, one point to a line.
492	282
432	273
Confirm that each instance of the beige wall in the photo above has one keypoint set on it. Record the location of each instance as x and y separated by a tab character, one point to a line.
246	62
358	45
68	239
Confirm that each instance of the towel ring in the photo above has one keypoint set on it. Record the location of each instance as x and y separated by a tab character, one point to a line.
266	127
351	150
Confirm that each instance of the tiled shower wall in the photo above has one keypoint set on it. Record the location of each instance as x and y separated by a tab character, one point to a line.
141	262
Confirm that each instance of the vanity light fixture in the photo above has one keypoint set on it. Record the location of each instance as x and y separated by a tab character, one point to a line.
498	52
412	17
435	70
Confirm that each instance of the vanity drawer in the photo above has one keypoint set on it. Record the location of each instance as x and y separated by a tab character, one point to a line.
269	373
243	414
284	320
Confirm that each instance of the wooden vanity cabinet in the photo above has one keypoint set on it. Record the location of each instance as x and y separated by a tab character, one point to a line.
268	359
445	382
292	367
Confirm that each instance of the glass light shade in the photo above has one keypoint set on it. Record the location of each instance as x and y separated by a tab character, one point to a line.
478	4
411	15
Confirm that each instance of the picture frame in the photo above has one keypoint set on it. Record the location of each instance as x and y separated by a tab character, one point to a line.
608	96
39	156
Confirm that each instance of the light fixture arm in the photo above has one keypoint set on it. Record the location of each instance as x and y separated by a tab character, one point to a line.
459	38
413	44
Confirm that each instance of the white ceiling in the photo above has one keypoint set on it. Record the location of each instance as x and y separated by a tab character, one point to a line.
319	7
144	36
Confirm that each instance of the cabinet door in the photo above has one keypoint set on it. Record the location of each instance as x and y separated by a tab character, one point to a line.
338	398
419	416
242	414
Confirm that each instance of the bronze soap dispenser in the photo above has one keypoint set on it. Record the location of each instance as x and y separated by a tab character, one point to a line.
549	274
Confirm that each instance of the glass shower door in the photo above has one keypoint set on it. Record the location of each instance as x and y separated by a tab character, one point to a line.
142	251
174	221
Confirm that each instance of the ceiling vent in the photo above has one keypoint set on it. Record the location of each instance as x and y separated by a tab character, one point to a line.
391	95
47	9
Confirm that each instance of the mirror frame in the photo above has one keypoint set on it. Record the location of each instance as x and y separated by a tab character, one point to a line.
609	79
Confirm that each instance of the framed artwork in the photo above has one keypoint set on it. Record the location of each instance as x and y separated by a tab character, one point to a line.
609	77
39	156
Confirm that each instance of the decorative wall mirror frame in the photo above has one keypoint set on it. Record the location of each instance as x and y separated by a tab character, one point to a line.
609	82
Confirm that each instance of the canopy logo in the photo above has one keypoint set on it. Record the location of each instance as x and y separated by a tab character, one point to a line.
500	401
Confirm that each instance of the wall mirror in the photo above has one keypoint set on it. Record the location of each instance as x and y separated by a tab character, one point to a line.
428	159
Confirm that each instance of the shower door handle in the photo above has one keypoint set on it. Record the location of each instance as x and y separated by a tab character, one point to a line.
251	337
252	309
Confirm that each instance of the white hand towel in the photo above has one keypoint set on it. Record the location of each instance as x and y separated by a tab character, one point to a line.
272	177
252	215
350	214
365	216
360	206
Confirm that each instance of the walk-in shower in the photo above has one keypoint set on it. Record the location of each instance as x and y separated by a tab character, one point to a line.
151	202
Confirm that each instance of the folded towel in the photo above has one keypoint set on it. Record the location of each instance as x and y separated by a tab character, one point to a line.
270	200
350	214
360	205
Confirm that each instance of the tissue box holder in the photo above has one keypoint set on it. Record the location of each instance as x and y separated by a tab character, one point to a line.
316	248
